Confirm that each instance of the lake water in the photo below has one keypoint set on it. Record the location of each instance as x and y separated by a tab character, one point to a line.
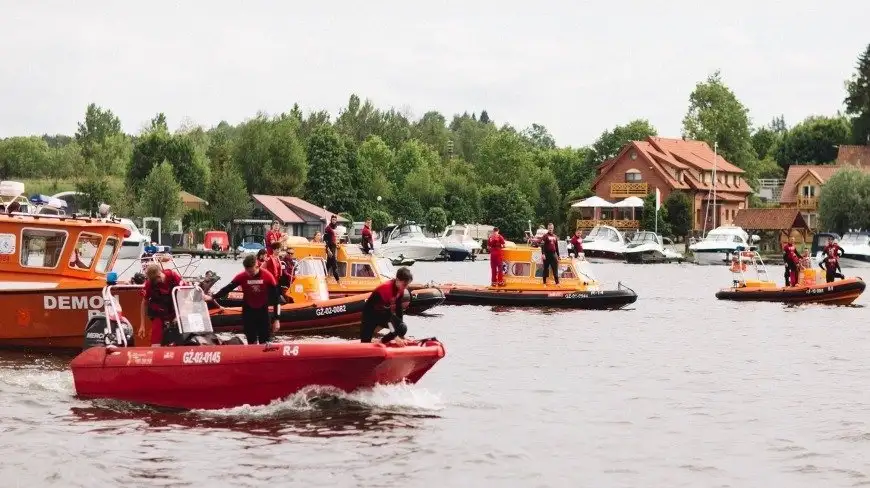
680	390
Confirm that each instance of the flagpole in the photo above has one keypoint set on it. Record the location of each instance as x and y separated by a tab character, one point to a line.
715	160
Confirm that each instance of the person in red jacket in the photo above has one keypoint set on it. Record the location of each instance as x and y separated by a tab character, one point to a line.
577	243
791	258
274	235
330	237
831	265
259	289
495	244
271	262
550	248
383	308
368	242
832	246
157	305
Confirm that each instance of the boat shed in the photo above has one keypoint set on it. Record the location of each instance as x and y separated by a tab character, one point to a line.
777	225
296	216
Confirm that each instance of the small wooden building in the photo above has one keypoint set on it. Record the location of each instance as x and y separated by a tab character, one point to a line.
774	225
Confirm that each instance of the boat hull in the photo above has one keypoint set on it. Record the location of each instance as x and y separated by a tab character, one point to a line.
459	254
708	258
650	256
600	256
841	292
226	376
55	319
416	253
590	300
855	261
317	316
131	249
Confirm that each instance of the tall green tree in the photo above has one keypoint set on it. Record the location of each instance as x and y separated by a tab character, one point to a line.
610	142
844	202
715	115
539	137
270	157
229	198
436	220
858	99
679	212
329	181
507	209
813	141
99	125
161	195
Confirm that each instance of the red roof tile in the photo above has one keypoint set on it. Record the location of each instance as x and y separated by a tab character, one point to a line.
796	172
770	219
854	155
274	206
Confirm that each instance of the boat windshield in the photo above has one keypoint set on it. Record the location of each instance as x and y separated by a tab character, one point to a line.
385	268
584	270
408	230
311	267
855	239
644	237
602	234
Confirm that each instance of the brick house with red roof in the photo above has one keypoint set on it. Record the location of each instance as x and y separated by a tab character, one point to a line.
804	182
670	165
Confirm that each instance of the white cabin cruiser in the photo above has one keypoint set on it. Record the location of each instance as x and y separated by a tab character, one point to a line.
856	249
604	244
133	246
459	243
408	241
720	244
649	247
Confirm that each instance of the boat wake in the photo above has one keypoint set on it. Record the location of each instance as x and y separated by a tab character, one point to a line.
396	399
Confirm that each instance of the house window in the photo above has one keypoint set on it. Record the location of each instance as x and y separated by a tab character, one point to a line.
633	176
809	191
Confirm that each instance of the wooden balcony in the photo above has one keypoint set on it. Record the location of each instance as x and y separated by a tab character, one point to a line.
625	190
619	224
808	203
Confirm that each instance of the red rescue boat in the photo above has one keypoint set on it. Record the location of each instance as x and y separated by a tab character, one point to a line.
221	375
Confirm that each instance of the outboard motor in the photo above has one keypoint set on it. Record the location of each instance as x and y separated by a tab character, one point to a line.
95	333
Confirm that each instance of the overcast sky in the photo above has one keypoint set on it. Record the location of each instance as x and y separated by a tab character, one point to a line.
576	67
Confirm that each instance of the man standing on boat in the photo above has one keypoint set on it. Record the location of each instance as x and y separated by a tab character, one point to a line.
791	258
577	243
157	305
831	265
383	309
550	248
368	242
274	235
833	247
495	244
259	289
331	240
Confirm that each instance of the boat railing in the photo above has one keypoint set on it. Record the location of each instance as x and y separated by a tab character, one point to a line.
183	264
743	261
191	309
115	320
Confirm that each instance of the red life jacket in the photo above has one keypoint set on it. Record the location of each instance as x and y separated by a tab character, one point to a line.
160	296
549	243
388	295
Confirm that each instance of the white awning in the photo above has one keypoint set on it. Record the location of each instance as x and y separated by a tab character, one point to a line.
629	202
592	202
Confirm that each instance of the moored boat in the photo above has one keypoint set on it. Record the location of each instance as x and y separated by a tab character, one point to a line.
524	286
721	244
218	375
649	247
359	273
52	272
811	287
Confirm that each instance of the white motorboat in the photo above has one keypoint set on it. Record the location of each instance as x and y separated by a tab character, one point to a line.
133	246
649	247
720	244
604	244
408	241
459	243
856	249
